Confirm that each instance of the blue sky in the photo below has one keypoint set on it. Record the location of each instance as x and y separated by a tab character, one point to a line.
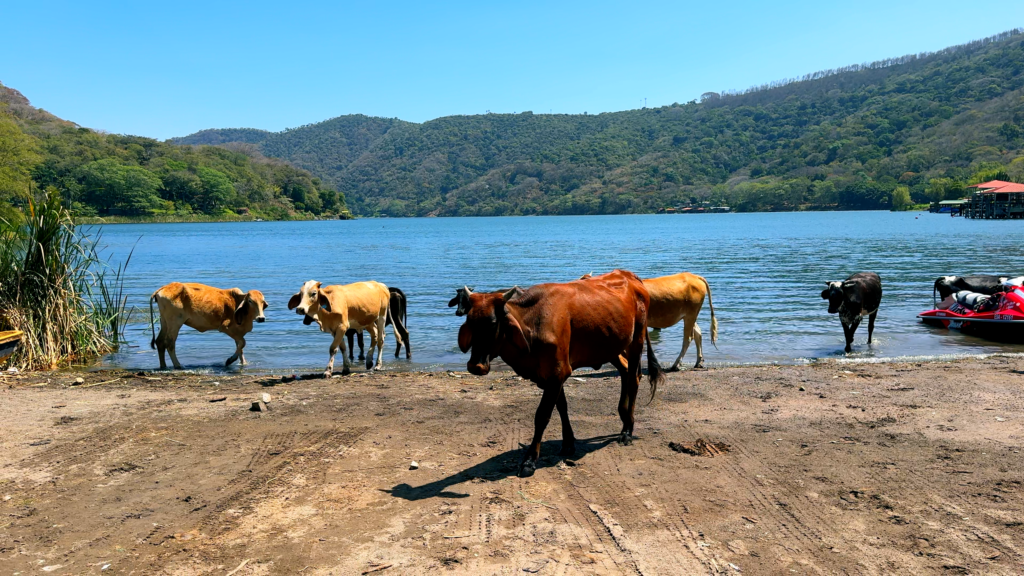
168	69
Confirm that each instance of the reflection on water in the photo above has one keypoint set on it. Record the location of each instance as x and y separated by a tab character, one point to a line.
766	273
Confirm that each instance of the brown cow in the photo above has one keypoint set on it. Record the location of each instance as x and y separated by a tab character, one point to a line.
680	297
204	308
336	309
548	330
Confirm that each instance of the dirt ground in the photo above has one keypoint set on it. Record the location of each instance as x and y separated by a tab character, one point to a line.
830	468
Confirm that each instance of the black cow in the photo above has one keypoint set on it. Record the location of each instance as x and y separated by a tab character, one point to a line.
854	298
982	284
397	307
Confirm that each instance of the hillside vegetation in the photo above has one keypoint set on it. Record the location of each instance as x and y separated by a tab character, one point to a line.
100	175
922	126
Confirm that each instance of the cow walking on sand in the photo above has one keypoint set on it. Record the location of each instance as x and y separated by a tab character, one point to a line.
339	308
546	331
204	308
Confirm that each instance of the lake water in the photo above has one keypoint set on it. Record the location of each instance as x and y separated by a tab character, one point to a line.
766	273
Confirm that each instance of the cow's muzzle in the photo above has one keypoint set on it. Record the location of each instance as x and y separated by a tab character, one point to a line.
261	319
300	311
480	368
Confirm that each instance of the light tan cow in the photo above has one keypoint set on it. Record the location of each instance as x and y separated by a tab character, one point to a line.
680	297
204	308
336	309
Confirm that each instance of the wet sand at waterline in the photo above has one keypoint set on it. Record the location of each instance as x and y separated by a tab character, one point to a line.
910	468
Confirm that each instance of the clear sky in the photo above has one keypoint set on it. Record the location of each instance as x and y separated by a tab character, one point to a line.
164	69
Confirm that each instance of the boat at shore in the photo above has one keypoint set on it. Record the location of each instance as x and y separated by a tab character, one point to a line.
1003	318
9	341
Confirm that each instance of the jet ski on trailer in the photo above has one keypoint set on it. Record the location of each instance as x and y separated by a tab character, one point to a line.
1000	314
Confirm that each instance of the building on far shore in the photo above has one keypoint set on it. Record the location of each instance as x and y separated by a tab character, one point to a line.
995	199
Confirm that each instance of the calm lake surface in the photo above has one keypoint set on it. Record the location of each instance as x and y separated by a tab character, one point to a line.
766	273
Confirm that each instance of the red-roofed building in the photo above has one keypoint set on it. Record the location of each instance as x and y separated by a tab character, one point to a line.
996	199
998	186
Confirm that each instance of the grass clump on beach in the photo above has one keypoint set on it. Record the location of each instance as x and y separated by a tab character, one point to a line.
55	288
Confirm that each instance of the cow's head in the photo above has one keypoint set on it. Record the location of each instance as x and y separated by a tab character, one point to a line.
461	300
490	325
838	292
309	300
251	308
945	286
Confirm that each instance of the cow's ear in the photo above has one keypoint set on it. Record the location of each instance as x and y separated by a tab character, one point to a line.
242	311
294	301
465	337
515	330
453	301
324	301
824	294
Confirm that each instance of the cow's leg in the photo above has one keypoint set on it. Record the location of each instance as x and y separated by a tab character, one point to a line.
627	398
540	422
850	330
239	344
350	334
568	438
171	340
378	341
687	330
871	324
339	341
398	339
698	341
161	344
359	337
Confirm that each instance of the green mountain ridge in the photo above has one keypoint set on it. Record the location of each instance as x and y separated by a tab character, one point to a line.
837	139
102	175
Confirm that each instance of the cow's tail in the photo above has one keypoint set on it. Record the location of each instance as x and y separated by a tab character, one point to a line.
152	322
714	321
654	371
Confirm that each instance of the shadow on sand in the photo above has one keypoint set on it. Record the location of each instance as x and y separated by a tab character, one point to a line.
498	467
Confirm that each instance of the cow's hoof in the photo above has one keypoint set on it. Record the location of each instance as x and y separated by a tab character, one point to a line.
328	374
345	371
698	366
625	439
673	368
527	468
361	357
568	449
379	367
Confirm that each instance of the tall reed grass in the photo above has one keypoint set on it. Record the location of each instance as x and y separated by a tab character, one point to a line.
55	288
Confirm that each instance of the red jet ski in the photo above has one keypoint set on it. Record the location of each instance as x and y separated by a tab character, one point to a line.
1000	314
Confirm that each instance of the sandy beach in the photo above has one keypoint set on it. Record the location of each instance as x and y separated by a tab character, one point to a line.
910	468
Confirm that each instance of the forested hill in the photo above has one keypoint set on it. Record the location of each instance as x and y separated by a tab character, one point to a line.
913	128
102	175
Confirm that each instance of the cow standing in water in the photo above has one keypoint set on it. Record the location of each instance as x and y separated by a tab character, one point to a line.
396	318
548	330
359	306
204	308
853	299
676	298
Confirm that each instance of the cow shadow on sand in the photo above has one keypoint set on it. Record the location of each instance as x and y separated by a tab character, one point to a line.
499	467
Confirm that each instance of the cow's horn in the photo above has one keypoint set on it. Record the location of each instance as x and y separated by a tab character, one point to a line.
467	290
511	293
